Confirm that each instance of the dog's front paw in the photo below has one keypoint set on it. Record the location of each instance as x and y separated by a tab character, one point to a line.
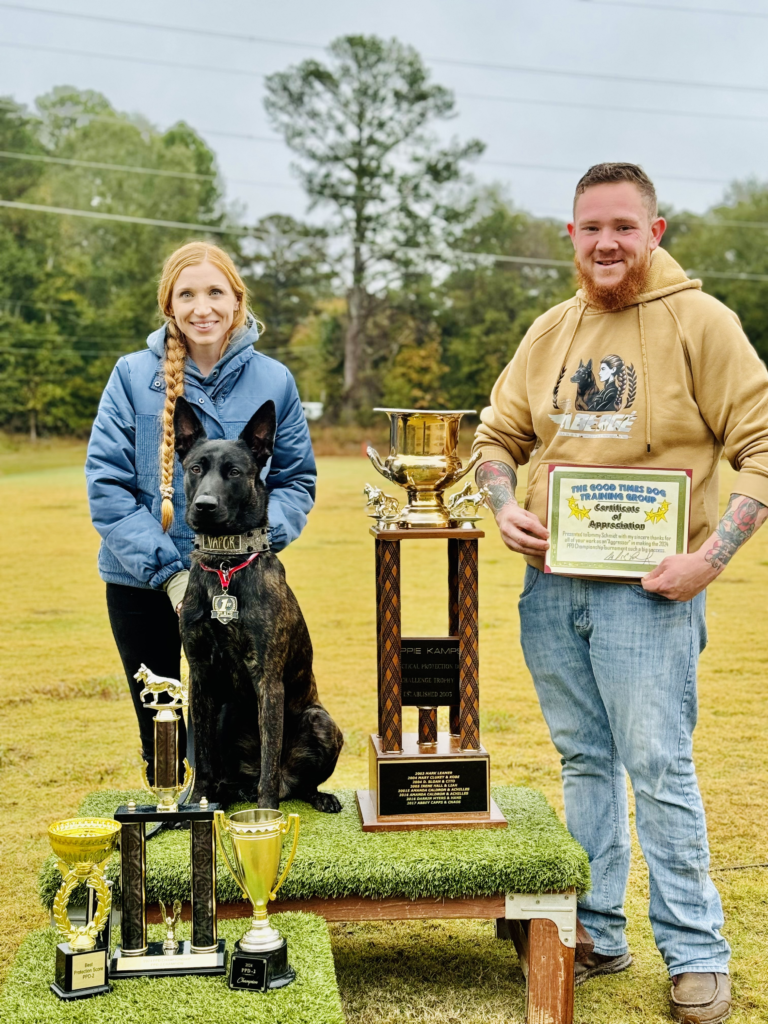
326	802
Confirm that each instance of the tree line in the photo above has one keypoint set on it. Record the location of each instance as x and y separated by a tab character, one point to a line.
409	286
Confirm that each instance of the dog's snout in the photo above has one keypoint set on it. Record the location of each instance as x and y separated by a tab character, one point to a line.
206	503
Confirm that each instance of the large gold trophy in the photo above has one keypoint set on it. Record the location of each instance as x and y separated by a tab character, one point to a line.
427	779
423	458
260	959
83	846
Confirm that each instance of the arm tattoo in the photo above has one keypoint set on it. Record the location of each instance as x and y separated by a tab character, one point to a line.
500	480
740	520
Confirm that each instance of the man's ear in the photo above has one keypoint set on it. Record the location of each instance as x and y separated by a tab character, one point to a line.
187	428
259	432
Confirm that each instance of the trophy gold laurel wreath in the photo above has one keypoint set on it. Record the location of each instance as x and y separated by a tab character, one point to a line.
83	846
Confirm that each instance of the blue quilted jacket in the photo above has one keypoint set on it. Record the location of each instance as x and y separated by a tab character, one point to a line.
123	464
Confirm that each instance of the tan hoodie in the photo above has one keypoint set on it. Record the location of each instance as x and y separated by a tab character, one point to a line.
669	382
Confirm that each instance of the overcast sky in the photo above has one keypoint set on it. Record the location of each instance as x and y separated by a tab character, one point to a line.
528	112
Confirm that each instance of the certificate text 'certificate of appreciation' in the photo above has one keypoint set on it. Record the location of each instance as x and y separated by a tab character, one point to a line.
615	521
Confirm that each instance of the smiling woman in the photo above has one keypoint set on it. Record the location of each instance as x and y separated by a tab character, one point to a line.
203	351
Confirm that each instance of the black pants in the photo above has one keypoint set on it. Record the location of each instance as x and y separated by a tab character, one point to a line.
146	631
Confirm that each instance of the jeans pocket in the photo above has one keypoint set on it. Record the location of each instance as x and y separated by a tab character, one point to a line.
530	580
649	595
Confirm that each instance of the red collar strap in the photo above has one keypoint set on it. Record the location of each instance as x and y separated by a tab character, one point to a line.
225	575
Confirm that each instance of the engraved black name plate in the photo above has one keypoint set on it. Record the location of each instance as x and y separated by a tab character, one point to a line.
258	972
430	671
434	785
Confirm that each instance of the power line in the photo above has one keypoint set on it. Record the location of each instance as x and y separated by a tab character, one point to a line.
673	7
518	68
122	218
133	169
525	260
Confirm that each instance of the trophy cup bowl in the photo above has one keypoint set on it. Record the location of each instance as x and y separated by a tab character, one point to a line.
260	958
82	846
423	458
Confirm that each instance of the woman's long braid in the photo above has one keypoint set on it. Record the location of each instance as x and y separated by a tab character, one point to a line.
175	358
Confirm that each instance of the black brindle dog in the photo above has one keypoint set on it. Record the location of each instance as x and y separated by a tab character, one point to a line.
260	731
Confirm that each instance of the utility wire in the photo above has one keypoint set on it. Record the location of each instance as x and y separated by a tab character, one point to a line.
456	62
521	100
524	260
519	68
673	7
133	169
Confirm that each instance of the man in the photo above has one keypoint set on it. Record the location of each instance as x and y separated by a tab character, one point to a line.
677	384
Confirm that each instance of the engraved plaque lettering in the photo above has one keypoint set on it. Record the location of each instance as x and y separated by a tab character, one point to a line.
430	671
89	969
436	786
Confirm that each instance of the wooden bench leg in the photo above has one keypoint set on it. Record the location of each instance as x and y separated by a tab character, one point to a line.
549	995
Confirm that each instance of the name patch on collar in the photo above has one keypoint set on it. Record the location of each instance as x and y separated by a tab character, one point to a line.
233	543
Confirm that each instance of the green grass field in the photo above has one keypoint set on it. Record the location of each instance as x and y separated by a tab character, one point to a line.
68	728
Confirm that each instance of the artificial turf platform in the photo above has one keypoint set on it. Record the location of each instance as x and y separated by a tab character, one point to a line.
189	999
335	858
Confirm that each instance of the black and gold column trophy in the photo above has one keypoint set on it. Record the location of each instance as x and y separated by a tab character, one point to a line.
427	779
82	846
204	953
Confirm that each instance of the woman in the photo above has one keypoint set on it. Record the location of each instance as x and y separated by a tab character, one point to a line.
204	351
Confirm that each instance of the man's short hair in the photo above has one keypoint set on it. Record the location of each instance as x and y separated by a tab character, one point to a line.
609	174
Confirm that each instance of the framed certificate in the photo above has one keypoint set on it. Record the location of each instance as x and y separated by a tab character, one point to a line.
614	520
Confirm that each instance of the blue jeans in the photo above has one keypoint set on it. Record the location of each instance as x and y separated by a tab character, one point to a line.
615	672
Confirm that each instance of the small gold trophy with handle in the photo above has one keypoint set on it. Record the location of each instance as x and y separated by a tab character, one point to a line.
260	959
83	846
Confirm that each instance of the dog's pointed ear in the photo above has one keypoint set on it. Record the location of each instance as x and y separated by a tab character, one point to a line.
187	428
259	432
589	365
581	363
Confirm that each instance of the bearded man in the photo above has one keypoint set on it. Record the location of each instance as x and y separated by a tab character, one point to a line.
614	661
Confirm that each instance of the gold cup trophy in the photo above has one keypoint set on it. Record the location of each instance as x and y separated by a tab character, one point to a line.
83	846
427	779
260	959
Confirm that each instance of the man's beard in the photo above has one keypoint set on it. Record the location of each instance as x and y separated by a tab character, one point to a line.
615	296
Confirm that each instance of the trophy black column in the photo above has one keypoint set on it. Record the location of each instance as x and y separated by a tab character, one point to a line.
133	926
203	858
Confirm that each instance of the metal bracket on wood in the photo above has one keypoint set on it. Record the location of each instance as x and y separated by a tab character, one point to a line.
560	908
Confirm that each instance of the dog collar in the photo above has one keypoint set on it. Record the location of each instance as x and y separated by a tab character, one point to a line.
233	543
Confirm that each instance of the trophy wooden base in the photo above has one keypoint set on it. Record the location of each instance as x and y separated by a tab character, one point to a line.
80	975
157	964
440	786
259	972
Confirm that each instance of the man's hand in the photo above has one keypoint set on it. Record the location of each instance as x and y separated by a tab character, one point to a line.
681	577
521	531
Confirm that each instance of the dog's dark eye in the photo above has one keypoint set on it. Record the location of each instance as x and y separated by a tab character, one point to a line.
196	470
234	472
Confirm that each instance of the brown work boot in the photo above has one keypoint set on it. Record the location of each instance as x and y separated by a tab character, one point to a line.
700	998
590	965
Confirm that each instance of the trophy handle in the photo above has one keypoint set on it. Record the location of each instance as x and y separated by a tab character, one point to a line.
465	469
293	819
189	777
375	458
220	826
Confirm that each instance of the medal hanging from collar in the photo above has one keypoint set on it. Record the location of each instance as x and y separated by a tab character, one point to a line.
225	605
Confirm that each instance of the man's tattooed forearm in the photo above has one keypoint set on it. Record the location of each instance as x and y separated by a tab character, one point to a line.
500	481
740	520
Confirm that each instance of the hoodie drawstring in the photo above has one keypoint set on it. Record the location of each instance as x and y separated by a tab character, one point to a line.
645	378
570	345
